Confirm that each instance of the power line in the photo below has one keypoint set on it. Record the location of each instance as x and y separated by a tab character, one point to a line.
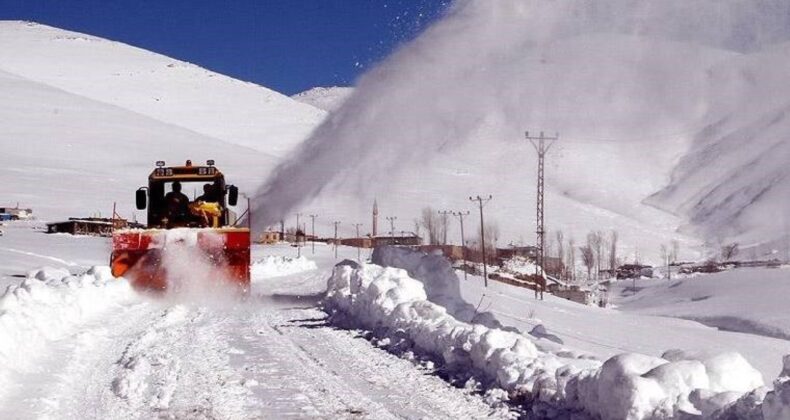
542	145
482	202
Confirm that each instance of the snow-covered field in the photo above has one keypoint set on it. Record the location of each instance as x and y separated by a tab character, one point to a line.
77	343
746	300
75	340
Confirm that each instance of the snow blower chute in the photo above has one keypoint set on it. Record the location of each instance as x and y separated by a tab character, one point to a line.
203	227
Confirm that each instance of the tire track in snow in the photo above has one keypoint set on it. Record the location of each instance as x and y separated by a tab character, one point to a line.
341	376
45	257
178	368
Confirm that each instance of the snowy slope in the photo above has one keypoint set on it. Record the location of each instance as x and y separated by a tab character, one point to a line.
326	98
746	300
156	86
67	155
647	99
732	182
410	135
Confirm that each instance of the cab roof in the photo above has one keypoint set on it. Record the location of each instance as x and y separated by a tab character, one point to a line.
185	172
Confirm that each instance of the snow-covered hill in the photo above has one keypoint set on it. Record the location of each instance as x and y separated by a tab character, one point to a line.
84	119
326	98
157	86
732	184
67	155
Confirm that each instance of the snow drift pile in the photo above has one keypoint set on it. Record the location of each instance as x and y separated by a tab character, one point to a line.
48	305
437	276
396	307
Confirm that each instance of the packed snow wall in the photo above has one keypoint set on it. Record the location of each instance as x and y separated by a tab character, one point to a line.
396	308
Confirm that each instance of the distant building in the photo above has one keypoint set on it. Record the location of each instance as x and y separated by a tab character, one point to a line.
15	213
364	242
269	237
90	226
634	271
530	252
407	239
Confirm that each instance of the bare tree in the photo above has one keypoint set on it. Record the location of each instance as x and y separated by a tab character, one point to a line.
492	236
665	258
588	258
571	264
561	252
430	220
595	243
417	228
613	236
729	251
443	222
675	251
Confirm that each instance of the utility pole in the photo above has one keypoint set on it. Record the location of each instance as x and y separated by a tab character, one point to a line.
312	219
482	202
460	215
335	223
296	236
542	145
392	220
359	247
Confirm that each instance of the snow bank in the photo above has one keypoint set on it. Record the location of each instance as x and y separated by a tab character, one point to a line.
396	307
437	276
278	266
48	305
777	402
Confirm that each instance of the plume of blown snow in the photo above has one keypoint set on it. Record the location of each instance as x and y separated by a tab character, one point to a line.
615	69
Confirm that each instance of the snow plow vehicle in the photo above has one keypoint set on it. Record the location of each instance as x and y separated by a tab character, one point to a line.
196	233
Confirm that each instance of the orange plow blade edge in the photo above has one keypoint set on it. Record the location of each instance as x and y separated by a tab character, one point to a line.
138	254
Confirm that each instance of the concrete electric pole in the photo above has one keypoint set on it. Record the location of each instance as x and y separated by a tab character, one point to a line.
335	240
357	225
482	202
312	220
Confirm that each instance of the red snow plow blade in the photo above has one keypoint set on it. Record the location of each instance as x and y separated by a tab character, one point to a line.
138	255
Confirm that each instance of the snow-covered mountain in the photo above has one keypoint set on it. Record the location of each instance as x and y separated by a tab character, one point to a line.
638	133
326	98
156	86
84	119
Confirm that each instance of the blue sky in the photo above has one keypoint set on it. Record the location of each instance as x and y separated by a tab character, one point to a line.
287	45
